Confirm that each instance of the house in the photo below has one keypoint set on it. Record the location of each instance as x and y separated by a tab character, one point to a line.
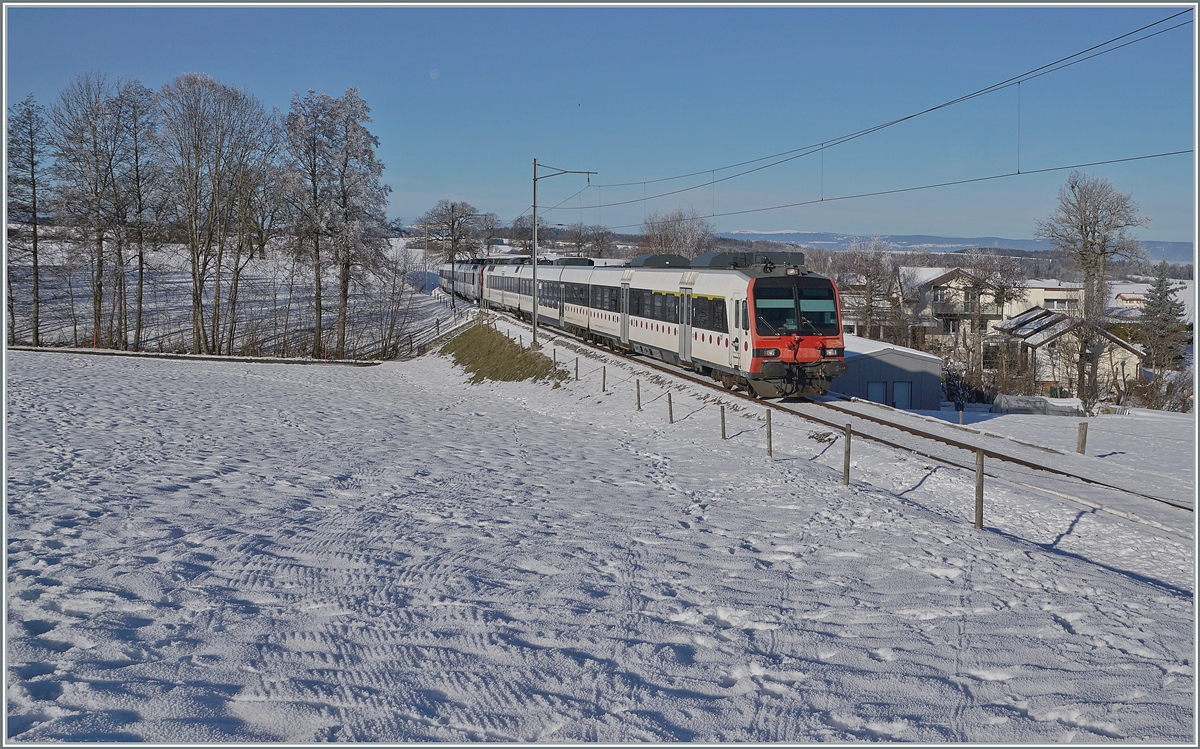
1049	294
944	306
1046	346
1128	298
889	374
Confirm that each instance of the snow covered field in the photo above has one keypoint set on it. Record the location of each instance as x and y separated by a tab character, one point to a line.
204	551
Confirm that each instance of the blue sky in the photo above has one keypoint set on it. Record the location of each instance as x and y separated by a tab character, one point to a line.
463	99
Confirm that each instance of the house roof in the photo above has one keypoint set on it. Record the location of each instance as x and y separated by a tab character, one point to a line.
1037	327
857	346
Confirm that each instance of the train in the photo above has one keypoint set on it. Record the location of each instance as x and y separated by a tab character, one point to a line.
756	321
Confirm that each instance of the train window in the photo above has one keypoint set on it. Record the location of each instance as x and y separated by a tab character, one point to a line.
745	316
719	322
702	312
783	306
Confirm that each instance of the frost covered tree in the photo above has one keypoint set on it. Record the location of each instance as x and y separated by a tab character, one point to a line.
28	182
358	198
1091	226
308	144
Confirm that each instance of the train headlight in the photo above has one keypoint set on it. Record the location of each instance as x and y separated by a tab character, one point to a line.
766	353
835	352
793	271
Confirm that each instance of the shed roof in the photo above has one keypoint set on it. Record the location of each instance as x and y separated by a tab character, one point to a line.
857	346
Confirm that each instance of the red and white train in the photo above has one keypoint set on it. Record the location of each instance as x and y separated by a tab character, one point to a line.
758	321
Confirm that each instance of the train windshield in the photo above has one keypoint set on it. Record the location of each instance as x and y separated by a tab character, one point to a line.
783	306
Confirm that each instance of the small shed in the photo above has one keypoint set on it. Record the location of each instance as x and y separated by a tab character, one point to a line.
890	374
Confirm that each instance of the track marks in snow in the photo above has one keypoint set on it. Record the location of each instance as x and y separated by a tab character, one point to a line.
347	573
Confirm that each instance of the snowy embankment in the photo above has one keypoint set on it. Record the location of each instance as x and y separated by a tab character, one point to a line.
205	551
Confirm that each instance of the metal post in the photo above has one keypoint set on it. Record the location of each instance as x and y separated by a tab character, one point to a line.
722	422
846	458
437	326
769	455
577	369
603	378
979	489
670	410
638	383
1081	443
535	254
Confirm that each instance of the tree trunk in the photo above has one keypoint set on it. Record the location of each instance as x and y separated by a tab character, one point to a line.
316	351
343	304
98	289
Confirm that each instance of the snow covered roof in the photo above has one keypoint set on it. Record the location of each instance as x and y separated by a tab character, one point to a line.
1185	291
1038	326
857	346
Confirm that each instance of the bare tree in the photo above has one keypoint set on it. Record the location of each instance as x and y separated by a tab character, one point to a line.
600	241
28	148
84	140
490	228
1091	225
677	231
866	278
453	229
138	181
521	231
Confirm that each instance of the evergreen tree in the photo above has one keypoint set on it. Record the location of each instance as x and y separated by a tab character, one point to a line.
1163	330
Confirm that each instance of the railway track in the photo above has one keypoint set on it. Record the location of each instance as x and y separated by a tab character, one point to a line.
926	444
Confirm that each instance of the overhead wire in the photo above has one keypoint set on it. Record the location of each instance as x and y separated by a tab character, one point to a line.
796	153
915	188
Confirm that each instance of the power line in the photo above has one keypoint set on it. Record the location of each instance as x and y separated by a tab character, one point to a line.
797	153
1023	173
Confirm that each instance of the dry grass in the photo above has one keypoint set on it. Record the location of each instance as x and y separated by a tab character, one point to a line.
488	354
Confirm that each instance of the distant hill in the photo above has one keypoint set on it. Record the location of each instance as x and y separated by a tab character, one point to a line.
1172	252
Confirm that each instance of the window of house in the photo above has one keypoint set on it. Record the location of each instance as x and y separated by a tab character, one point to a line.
949	327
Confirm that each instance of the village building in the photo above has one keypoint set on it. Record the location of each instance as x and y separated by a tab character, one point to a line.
890	374
1046	346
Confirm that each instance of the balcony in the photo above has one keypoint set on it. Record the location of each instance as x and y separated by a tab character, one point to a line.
965	309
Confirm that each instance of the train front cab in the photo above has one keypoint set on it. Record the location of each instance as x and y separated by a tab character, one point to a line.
795	332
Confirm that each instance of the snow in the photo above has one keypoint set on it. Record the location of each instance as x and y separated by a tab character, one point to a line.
217	551
859	346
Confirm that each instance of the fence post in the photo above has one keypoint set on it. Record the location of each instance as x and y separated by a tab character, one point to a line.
979	489
437	326
554	355
846	458
521	341
577	369
1081	443
603	378
722	422
638	383
410	343
769	455
670	410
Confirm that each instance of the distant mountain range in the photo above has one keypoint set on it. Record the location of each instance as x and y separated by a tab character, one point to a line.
1172	252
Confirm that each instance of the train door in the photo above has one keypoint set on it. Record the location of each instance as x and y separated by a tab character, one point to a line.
624	308
685	325
736	334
